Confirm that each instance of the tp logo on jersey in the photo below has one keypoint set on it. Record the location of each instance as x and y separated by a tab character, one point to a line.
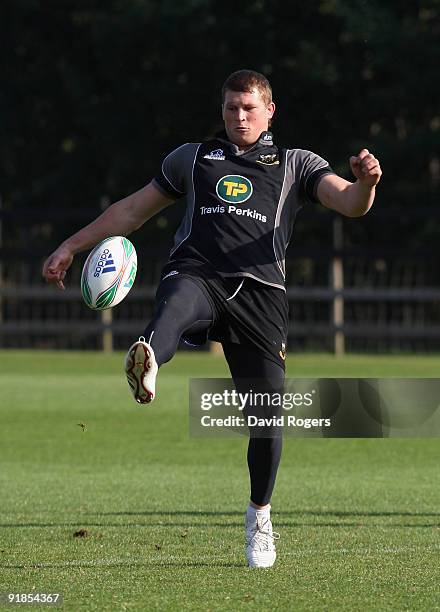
234	189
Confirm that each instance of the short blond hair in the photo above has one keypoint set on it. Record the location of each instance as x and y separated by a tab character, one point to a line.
248	80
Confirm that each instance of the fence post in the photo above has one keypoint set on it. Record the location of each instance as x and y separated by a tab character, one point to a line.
1	265
337	278
107	334
107	315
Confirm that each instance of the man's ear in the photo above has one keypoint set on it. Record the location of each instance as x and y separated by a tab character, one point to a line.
271	110
223	111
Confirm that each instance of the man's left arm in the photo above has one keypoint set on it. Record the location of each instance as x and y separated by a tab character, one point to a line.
352	199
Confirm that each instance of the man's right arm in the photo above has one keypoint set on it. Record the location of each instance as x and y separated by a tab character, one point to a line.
120	219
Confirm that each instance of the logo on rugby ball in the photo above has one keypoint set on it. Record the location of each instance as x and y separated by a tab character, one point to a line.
105	263
109	273
234	189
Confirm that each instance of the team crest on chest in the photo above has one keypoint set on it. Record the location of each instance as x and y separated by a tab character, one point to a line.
269	160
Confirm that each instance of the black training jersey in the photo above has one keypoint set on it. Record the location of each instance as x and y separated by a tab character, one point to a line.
240	206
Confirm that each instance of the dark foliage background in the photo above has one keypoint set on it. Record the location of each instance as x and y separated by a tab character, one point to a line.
95	93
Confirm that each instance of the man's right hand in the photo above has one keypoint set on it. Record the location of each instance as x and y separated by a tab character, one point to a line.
121	218
56	265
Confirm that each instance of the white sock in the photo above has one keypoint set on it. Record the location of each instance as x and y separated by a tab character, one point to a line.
252	513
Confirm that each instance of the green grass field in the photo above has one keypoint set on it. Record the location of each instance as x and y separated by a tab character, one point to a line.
359	519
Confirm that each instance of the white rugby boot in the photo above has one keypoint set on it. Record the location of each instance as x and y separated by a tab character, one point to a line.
141	370
260	540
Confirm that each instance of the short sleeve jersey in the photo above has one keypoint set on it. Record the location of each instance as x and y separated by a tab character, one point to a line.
240	206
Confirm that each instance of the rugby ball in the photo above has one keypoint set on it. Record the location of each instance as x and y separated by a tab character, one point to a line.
108	273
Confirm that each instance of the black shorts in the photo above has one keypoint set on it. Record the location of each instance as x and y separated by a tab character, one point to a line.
246	311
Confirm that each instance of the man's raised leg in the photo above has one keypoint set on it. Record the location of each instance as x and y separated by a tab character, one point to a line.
181	307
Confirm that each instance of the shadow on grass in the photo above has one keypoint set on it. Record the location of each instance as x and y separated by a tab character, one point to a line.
295	516
150	564
293	523
295	512
365	513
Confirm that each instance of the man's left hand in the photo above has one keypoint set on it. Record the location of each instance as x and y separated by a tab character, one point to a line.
366	168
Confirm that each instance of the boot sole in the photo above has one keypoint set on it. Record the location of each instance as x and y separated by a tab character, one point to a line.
140	365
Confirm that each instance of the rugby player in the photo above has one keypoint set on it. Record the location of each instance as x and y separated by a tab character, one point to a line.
225	279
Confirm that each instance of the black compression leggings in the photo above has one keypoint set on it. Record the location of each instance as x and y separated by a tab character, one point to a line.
181	306
252	370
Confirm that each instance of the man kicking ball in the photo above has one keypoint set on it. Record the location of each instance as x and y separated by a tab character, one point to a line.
225	278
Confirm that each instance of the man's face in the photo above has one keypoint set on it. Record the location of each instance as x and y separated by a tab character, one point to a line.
245	115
